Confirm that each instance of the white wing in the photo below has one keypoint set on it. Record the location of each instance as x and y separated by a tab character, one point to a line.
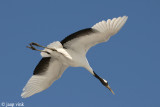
47	71
83	40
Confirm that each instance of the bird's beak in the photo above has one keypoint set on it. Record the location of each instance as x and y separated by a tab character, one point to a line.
110	89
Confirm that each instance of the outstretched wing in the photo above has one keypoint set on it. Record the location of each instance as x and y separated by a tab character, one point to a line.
83	40
46	72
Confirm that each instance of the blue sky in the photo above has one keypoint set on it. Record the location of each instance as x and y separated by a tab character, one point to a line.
129	61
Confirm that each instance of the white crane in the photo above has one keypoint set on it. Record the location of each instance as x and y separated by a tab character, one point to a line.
71	51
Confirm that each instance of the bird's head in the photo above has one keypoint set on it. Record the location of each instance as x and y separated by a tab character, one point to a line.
105	83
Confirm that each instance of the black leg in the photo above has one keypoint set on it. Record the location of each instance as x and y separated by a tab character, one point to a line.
36	44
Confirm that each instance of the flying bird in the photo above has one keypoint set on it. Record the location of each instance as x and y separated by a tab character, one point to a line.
71	51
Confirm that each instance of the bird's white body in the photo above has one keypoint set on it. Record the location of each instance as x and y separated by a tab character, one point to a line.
70	52
66	56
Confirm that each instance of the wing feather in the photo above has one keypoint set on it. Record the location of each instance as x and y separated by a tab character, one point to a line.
42	80
82	41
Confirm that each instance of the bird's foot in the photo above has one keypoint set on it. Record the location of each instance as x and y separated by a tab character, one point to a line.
36	44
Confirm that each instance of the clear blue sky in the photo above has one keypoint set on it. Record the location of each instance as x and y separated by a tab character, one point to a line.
130	60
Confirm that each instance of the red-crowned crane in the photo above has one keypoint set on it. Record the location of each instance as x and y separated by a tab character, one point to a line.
71	51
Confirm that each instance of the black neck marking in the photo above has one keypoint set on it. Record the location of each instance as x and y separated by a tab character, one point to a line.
100	79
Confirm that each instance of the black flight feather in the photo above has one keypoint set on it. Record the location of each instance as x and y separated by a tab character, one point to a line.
42	66
78	34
